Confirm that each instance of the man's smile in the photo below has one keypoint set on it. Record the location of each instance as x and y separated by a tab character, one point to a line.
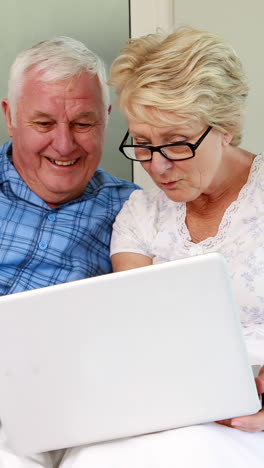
58	162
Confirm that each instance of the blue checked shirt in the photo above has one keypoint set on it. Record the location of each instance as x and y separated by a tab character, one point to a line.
40	246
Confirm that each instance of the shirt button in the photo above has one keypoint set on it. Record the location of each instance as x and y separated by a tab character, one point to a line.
43	245
51	217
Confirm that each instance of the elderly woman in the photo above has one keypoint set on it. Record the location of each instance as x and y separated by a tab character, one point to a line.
184	97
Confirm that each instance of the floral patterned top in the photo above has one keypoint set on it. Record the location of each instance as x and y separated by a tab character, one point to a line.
153	225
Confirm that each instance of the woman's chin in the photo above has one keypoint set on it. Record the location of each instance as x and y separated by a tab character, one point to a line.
178	195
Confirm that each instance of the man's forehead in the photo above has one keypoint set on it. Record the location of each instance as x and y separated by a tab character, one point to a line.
80	95
38	114
83	82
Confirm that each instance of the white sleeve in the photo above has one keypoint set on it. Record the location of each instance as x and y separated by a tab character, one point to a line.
132	229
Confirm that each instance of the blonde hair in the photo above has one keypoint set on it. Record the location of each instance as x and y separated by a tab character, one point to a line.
191	73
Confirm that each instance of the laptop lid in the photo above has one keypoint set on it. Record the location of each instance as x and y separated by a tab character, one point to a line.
122	354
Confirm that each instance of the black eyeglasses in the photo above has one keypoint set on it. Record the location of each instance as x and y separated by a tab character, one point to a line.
178	151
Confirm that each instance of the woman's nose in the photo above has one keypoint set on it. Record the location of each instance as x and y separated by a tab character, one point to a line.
159	164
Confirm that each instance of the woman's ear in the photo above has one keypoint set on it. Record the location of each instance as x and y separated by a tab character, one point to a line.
227	138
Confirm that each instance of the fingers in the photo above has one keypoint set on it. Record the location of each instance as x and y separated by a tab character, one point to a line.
260	380
252	423
260	384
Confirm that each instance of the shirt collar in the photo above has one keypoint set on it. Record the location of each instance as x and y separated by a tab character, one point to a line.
101	179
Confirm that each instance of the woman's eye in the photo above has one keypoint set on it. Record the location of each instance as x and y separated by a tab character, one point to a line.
178	139
143	143
43	124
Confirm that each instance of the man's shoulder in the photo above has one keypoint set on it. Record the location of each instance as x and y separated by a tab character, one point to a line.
103	180
106	193
5	148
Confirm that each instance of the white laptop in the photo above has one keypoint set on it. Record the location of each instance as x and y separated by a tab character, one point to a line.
122	354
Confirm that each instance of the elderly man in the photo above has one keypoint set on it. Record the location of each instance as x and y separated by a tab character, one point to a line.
56	207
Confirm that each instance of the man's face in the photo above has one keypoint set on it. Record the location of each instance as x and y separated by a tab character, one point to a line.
58	140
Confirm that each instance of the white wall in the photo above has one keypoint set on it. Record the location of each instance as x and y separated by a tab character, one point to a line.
146	17
239	22
103	25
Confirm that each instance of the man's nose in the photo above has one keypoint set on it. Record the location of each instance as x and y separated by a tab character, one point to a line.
63	140
159	164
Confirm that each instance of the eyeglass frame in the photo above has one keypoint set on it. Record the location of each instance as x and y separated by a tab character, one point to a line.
193	147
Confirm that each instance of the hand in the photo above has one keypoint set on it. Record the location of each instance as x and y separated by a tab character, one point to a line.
254	422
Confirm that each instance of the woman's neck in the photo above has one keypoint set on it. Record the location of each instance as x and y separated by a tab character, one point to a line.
232	176
204	215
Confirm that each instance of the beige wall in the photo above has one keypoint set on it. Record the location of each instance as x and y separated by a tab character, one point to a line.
240	23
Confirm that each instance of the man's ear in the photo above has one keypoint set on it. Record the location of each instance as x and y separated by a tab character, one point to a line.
7	114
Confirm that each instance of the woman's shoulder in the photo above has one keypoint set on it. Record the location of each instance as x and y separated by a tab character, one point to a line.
148	199
147	205
258	163
256	174
143	194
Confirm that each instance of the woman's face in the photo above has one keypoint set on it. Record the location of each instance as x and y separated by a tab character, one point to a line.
183	180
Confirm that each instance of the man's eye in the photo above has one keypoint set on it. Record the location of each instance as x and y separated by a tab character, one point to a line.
43	125
82	126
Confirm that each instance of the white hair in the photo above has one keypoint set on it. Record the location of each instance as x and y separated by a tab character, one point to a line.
58	59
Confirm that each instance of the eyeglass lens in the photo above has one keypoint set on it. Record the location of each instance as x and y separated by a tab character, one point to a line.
172	152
